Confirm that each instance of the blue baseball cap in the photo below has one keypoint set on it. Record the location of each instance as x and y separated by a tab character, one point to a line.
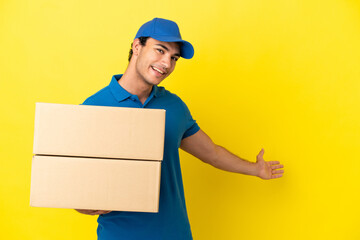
166	31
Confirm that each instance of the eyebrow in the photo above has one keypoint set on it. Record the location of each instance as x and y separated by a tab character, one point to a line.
176	54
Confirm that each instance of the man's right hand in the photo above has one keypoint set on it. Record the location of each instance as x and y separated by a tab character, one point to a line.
92	212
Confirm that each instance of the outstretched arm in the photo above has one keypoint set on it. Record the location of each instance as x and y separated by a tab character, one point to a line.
201	146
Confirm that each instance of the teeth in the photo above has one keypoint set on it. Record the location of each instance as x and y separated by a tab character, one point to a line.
158	70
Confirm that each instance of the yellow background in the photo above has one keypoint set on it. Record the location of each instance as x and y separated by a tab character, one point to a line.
278	74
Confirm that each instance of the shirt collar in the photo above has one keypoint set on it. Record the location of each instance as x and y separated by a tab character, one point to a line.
121	94
117	90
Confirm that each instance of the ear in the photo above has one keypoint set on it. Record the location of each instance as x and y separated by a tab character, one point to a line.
136	46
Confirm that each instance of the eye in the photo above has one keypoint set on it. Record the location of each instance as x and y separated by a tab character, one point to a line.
175	58
160	50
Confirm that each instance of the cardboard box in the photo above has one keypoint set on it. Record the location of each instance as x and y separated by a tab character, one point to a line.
94	157
87	183
96	131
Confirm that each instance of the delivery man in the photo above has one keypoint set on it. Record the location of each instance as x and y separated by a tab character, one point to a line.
155	50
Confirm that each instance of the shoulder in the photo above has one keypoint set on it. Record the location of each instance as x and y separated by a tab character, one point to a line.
166	94
171	98
102	97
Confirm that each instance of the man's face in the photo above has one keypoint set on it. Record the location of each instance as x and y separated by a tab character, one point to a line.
156	60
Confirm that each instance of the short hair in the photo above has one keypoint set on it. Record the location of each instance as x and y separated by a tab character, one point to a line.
142	43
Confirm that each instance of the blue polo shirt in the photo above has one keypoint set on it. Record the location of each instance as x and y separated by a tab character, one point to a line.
171	222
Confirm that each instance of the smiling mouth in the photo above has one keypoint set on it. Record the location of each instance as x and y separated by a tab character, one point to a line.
158	70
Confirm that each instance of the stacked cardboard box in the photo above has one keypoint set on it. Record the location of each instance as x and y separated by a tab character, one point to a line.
94	157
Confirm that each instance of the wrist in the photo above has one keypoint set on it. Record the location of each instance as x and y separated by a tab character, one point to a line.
256	169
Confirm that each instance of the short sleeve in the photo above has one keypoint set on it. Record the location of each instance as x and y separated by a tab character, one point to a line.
191	126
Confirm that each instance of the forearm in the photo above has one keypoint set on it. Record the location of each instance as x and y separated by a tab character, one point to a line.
228	161
202	147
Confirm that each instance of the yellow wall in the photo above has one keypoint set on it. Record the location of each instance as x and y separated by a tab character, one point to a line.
278	74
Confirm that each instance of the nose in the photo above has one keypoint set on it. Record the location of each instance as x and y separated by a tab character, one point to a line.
166	61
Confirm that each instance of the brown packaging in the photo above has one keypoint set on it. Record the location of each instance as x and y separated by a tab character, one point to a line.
94	157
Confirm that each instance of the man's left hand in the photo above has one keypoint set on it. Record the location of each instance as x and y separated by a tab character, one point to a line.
268	170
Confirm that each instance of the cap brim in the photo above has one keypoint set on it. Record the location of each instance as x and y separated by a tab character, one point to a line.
186	49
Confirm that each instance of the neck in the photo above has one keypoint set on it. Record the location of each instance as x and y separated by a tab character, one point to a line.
135	85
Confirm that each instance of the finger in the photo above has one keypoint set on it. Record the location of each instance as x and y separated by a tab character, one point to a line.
277	176
277	171
98	212
84	211
260	155
103	212
277	166
273	162
91	212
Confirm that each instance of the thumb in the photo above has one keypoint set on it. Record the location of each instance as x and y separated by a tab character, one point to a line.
260	155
